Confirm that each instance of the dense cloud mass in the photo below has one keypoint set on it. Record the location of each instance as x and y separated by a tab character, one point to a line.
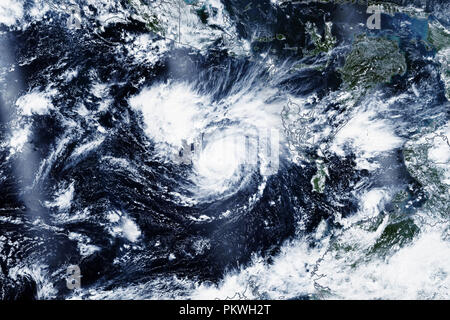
224	149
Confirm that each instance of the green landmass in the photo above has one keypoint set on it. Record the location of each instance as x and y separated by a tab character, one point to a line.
439	38
320	45
318	180
144	13
429	175
372	61
395	234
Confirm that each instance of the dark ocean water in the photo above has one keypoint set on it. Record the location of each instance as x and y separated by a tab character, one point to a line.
76	152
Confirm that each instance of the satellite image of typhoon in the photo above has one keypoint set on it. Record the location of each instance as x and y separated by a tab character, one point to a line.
224	149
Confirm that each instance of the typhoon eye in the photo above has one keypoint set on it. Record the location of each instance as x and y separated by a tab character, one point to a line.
218	149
